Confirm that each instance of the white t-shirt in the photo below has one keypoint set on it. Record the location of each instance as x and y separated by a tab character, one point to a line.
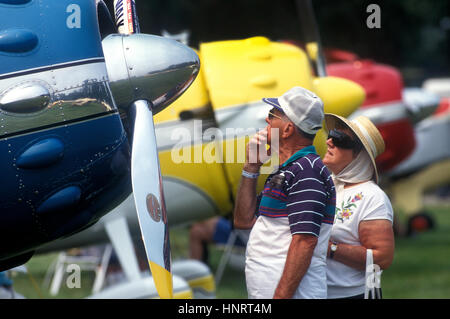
266	254
366	201
304	204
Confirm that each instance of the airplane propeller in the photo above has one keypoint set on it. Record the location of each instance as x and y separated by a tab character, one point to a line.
311	35
149	198
147	73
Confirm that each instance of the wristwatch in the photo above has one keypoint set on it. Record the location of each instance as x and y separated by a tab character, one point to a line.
333	249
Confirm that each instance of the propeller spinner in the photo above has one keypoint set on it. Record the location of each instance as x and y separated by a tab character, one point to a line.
146	74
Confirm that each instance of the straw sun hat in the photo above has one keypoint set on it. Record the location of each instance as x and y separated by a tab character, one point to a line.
366	132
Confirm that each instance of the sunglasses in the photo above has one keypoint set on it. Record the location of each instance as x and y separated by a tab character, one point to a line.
271	115
344	141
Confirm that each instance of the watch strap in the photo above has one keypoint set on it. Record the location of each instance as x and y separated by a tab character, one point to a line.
249	174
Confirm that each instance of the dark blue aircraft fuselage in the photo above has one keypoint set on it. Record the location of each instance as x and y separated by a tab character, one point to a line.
64	153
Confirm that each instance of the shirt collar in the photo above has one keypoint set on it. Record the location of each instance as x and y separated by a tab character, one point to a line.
301	153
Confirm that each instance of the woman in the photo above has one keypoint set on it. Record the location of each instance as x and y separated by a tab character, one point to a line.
364	213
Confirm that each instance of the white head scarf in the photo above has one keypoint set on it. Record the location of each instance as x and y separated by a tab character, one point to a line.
359	170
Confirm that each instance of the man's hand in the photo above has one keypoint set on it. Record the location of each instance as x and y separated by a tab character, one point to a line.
256	153
245	206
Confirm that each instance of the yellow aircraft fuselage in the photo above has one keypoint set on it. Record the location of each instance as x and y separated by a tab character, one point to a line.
202	136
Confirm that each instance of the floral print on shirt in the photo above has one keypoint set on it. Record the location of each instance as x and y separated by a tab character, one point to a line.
345	211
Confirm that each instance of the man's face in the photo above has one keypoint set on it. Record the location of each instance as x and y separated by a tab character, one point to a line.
275	120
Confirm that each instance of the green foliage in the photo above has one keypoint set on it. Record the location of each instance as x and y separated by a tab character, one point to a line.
413	34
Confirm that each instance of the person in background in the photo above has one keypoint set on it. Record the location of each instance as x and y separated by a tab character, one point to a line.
364	215
6	288
214	230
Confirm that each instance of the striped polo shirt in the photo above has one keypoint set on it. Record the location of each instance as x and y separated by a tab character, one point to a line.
301	190
299	198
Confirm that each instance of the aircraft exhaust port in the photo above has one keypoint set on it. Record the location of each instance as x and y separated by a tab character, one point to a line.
41	154
18	41
61	200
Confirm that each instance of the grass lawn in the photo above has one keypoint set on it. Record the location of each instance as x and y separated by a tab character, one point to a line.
421	267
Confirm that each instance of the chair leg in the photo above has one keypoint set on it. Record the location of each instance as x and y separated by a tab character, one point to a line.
225	256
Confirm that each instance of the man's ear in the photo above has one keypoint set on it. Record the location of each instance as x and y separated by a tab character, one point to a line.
288	130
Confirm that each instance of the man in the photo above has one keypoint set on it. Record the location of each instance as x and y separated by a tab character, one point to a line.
292	218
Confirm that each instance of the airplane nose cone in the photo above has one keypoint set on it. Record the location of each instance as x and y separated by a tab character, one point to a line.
153	68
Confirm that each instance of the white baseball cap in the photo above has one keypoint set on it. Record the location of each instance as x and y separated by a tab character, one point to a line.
302	107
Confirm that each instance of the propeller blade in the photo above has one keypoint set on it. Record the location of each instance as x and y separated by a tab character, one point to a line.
146	176
311	34
153	72
149	198
126	17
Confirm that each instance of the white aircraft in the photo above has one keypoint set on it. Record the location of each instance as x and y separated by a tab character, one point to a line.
428	167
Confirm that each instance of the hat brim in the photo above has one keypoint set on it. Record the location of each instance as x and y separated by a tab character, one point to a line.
330	124
274	102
